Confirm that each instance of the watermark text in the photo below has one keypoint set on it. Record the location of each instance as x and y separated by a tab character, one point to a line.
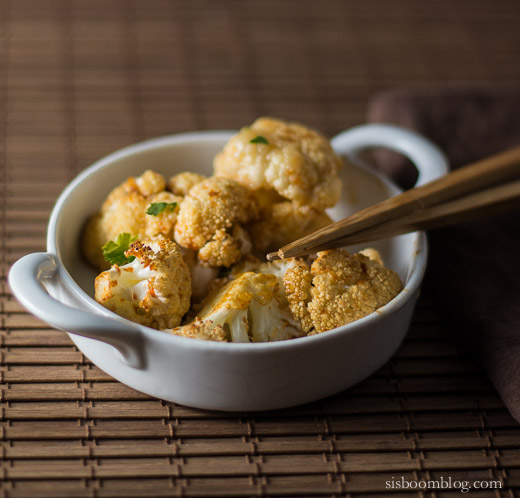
464	486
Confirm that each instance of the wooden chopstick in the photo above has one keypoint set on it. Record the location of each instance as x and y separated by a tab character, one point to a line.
457	196
487	202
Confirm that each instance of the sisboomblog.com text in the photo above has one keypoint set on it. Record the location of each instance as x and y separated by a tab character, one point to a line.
446	483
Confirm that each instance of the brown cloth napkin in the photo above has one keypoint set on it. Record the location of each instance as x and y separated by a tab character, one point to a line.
474	268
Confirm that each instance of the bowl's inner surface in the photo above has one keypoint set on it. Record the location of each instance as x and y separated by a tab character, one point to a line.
83	198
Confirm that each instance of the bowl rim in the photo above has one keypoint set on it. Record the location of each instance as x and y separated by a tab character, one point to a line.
415	273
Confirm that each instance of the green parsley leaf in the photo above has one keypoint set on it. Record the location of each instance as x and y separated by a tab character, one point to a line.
156	208
114	252
259	140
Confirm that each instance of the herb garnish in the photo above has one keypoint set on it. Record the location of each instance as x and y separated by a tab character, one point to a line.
114	252
259	140
156	208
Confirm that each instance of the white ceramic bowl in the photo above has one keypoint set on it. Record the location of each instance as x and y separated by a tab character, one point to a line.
57	286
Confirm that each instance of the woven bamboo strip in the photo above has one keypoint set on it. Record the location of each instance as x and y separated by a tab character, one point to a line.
42	356
20	323
414	350
373	386
42	410
120	410
56	339
466	383
9	305
403	367
70	391
289	446
110	390
73	373
210	487
14	255
27	243
17	227
38	337
54	373
34	191
28	215
217	428
239	466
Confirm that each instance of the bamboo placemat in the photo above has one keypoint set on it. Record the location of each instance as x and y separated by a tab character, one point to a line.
79	79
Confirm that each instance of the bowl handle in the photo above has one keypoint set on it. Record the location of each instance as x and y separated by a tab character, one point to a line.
426	156
26	278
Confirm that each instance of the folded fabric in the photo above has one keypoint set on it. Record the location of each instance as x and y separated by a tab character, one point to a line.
474	269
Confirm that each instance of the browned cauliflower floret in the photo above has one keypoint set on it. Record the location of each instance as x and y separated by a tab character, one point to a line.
181	183
154	289
247	309
223	249
283	222
124	211
339	288
298	163
150	183
163	222
212	213
298	283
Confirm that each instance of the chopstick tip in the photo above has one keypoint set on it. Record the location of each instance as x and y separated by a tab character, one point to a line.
272	256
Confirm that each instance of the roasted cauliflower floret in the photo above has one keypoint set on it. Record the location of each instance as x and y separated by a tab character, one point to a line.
182	183
248	309
298	163
212	213
154	289
225	249
339	288
150	182
298	284
163	221
124	210
284	222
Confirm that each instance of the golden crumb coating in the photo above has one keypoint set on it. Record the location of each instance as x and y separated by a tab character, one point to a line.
199	329
298	282
213	212
295	161
181	183
348	287
283	222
